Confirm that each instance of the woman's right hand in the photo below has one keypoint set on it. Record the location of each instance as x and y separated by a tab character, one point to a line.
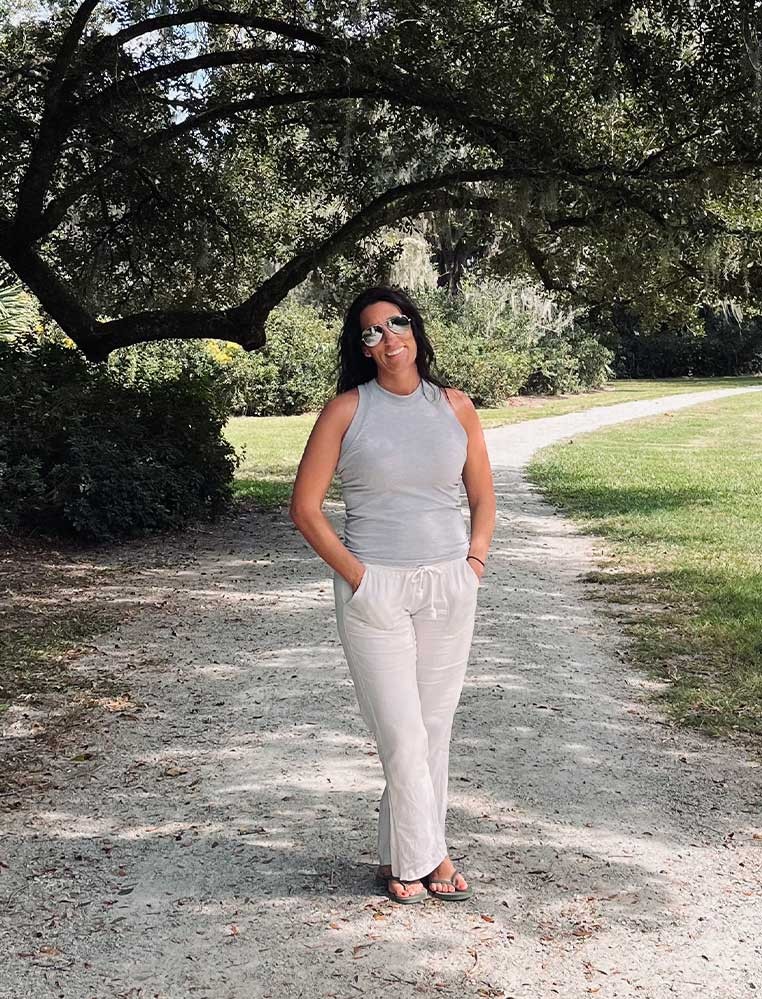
355	583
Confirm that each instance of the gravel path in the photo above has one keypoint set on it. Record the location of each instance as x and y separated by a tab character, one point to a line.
212	834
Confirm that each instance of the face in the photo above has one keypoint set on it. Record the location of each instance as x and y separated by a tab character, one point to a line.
392	353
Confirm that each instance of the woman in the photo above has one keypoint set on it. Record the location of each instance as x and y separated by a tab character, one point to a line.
406	577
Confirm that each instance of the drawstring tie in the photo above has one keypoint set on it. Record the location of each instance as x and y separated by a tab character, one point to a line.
434	608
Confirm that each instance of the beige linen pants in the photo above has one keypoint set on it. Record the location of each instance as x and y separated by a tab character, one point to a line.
406	634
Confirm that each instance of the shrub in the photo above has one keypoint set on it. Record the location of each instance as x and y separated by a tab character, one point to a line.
499	338
294	371
104	451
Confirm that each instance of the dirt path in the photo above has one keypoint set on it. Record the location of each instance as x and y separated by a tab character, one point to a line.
216	839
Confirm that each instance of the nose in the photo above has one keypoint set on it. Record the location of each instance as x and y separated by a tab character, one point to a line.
390	339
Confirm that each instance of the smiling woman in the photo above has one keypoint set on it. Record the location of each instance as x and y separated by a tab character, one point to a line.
406	578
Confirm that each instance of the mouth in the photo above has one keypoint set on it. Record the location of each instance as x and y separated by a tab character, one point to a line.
393	353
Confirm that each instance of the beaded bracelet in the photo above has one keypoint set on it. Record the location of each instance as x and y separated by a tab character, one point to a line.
477	559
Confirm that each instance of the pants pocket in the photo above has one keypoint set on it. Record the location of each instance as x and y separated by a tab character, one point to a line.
369	604
473	578
357	595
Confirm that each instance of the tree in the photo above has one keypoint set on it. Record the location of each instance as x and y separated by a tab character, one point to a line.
164	160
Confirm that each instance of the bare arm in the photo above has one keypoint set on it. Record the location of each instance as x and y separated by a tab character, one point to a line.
477	478
313	477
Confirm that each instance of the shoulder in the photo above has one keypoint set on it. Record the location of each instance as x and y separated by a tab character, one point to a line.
342	401
458	399
465	411
461	403
338	412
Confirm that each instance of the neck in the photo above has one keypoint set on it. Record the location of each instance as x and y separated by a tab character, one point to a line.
404	384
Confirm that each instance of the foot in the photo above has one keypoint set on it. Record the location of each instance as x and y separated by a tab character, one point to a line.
445	870
395	885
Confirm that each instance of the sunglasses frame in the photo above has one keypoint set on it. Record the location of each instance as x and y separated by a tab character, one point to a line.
379	328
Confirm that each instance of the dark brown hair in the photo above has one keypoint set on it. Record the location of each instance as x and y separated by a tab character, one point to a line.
353	367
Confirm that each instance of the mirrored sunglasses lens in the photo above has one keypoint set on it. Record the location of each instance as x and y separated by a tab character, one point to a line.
372	336
399	322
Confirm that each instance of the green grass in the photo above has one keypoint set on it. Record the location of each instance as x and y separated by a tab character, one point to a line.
679	500
271	446
625	390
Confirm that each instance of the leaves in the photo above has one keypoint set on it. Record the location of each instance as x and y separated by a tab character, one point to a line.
609	152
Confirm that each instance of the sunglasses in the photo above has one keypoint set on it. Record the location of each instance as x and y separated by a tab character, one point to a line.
395	324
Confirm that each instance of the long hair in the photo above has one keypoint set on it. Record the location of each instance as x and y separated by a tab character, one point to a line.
353	367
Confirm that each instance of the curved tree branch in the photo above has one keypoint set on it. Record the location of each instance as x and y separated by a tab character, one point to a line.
131	85
55	121
105	49
243	323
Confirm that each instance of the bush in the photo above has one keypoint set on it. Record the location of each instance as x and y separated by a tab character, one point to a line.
567	361
502	338
716	344
104	451
485	372
292	374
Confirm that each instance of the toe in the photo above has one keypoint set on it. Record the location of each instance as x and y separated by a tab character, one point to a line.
415	888
440	886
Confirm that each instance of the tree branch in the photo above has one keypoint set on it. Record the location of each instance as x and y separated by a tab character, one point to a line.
69	43
244	323
539	261
106	48
56	210
54	122
181	67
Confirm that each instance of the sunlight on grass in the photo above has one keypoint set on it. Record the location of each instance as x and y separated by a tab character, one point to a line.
271	446
679	498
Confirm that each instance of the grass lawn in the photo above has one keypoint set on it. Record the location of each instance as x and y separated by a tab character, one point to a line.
679	500
271	446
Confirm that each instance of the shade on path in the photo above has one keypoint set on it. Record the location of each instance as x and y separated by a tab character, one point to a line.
216	839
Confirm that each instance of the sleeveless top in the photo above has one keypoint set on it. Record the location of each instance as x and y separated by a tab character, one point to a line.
400	466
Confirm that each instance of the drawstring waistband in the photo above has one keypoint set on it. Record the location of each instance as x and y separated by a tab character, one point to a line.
418	579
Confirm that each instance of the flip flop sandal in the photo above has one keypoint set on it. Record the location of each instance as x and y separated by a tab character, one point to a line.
449	896
384	881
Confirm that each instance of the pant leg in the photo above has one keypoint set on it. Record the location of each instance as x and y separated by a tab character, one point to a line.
443	650
380	645
443	610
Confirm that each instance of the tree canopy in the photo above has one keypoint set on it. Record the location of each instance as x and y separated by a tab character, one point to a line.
179	168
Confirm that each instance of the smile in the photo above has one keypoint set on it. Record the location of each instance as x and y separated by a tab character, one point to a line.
394	353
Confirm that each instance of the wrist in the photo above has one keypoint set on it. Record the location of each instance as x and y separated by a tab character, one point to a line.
476	558
357	575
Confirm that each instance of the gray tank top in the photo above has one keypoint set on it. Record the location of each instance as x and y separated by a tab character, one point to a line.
400	466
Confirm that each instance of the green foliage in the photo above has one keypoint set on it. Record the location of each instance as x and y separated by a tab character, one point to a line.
500	338
294	373
724	346
18	310
568	361
485	372
107	451
606	149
